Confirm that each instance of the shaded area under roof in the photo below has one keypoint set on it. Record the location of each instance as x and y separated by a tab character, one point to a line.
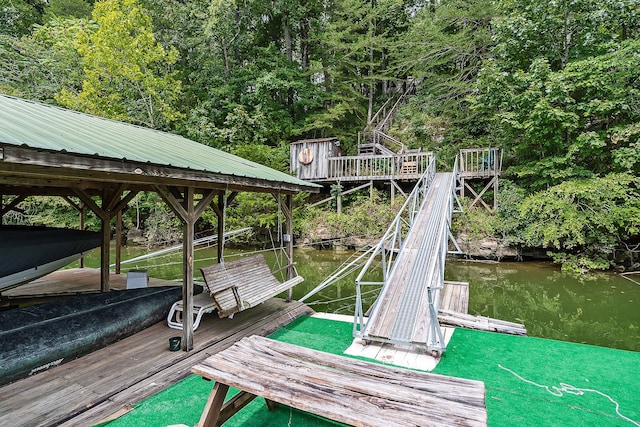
32	125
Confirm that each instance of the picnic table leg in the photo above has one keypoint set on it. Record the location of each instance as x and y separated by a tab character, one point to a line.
211	411
271	405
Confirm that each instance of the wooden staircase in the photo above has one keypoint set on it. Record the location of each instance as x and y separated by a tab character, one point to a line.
374	140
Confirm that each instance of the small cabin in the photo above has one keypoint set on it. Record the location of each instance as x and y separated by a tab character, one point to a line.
309	157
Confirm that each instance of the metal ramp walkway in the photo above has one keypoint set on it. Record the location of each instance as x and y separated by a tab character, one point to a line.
413	253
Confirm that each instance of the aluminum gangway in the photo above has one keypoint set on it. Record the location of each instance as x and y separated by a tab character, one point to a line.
413	253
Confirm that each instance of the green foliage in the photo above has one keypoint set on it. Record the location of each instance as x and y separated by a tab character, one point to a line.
68	9
363	217
445	45
477	223
52	212
128	75
560	31
274	157
556	85
38	66
583	220
568	124
17	16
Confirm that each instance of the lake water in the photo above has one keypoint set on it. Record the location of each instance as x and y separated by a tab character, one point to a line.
600	309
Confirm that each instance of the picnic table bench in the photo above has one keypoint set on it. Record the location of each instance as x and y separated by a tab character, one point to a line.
342	389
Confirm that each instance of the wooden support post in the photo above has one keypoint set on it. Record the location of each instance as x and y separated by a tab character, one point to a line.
288	230
112	203
187	270
183	205
339	202
495	194
393	192
212	408
234	405
371	190
81	214
118	241
82	221
221	213
105	229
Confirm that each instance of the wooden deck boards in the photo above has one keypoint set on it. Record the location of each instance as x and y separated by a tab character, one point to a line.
70	282
89	389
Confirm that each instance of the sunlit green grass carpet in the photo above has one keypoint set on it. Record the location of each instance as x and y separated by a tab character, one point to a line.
529	382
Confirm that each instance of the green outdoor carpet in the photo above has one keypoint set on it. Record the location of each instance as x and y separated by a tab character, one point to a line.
529	382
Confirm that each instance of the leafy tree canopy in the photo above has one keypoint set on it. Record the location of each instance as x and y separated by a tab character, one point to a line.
128	75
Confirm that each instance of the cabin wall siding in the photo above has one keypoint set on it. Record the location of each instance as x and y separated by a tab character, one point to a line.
318	167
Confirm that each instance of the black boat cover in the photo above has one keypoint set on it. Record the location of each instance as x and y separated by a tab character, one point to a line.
25	247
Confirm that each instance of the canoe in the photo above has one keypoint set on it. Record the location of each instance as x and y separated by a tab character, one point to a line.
27	253
35	338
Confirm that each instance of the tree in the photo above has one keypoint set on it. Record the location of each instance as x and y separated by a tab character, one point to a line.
445	46
572	123
17	16
561	31
38	66
583	222
128	75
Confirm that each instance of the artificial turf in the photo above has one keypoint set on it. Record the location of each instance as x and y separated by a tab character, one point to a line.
529	382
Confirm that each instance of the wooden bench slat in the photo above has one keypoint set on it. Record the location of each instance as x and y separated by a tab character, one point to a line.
345	390
253	280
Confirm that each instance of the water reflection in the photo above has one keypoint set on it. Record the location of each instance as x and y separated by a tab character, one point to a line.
599	309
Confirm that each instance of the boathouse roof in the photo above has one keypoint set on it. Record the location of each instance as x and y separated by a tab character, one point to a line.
39	141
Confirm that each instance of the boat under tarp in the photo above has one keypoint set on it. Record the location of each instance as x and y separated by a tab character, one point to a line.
27	253
34	338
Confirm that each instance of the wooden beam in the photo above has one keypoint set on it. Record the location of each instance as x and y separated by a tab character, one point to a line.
184	205
395	185
22	163
203	203
112	204
221	211
187	271
11	205
286	206
477	197
118	241
171	201
211	412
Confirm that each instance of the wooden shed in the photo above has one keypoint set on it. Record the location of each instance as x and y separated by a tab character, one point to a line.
309	157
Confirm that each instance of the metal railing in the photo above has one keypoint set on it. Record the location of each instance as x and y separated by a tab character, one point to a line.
391	242
391	245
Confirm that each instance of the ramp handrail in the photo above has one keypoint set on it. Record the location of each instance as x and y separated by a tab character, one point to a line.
391	242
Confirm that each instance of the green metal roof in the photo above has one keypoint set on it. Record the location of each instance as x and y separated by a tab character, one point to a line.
40	126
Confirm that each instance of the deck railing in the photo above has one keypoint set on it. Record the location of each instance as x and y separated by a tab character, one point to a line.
480	162
358	168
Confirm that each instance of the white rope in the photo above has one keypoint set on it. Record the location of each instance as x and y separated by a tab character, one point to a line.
572	390
318	302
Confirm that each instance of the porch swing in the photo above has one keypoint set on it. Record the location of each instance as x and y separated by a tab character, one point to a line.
235	286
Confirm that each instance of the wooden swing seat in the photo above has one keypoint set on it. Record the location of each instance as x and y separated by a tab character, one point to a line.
238	285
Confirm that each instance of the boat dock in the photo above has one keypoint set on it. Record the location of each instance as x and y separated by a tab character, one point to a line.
106	383
69	282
